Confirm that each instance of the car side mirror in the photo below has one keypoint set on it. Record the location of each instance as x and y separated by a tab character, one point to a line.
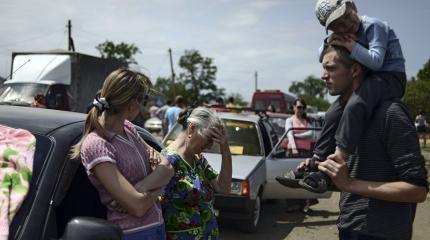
88	228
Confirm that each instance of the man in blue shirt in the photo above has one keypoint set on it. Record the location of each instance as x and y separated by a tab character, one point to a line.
173	112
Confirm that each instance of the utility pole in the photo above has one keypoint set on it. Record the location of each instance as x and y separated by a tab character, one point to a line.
71	45
173	73
256	80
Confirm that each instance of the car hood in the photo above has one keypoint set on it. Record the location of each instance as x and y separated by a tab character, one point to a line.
242	165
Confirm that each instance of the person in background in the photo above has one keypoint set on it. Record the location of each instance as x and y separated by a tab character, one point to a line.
153	111
17	147
39	101
161	112
271	108
232	107
421	126
173	112
299	145
188	200
230	103
299	141
219	103
126	171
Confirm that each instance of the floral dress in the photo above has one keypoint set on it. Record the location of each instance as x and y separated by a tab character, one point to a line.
188	199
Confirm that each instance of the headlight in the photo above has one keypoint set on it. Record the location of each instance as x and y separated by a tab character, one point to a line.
240	188
235	187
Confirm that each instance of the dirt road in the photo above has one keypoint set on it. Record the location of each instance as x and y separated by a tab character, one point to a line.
320	223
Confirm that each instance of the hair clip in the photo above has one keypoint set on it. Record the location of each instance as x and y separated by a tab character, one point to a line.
100	103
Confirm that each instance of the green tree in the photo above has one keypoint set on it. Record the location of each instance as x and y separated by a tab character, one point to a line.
424	73
164	85
198	76
312	90
417	95
122	52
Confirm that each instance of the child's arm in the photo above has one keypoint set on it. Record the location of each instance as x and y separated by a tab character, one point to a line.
373	56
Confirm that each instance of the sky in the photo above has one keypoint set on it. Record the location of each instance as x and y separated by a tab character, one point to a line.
276	38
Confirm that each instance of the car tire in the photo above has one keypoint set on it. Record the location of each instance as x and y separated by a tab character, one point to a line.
251	225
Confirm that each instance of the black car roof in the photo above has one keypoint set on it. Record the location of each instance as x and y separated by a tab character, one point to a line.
37	120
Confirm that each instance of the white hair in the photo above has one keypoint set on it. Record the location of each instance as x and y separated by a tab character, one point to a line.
204	118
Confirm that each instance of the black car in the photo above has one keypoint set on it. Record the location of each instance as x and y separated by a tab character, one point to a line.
61	202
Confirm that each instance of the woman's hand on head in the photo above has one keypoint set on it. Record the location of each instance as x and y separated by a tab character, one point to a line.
219	137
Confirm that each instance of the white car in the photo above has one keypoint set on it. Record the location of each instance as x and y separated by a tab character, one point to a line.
153	124
256	163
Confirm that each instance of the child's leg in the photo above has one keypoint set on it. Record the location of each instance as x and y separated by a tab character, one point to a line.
374	90
326	143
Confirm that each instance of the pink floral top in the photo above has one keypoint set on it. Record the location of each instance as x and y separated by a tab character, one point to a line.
17	148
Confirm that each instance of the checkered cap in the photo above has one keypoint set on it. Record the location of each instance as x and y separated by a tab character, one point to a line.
329	10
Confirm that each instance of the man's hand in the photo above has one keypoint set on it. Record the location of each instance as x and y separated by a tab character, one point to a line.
335	167
303	165
346	40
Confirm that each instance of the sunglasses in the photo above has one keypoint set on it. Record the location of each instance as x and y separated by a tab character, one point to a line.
300	107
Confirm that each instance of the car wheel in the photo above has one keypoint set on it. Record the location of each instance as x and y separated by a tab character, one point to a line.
250	225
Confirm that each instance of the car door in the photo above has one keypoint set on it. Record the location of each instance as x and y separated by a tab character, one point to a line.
278	162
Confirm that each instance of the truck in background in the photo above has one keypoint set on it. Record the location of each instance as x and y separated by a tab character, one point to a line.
282	102
68	80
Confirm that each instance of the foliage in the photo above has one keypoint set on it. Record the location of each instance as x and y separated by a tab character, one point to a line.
417	95
122	52
424	73
164	85
312	90
198	76
311	86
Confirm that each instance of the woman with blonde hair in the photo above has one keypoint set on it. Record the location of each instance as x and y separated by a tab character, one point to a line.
125	170
188	200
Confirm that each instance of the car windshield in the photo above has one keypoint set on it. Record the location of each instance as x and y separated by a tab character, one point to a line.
242	136
21	93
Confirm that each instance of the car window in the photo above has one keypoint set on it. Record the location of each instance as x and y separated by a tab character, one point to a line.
43	148
243	137
283	150
278	125
260	104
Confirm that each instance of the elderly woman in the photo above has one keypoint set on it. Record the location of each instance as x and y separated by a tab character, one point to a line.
189	196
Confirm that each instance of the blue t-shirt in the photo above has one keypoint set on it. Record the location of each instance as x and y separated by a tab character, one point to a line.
172	115
378	47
